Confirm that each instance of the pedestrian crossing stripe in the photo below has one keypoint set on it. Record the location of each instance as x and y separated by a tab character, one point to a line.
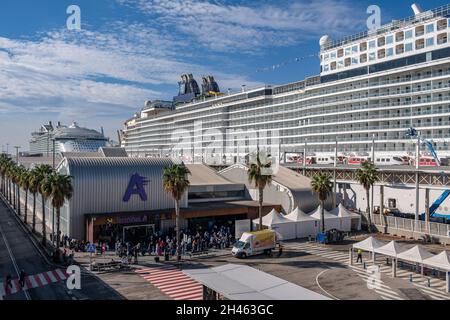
173	282
33	281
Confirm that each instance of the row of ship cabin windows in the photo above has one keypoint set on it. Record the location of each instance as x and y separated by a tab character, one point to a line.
388	40
388	52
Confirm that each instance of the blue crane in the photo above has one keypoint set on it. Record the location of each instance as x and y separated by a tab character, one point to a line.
412	133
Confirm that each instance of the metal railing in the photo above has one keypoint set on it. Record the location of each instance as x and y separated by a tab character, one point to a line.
431	228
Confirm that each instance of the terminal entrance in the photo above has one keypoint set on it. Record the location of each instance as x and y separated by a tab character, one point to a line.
214	223
137	234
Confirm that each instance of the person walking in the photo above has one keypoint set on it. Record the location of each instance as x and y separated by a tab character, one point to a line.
280	249
22	278
359	259
8	284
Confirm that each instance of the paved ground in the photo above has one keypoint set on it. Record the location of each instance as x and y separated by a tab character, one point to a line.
19	252
323	269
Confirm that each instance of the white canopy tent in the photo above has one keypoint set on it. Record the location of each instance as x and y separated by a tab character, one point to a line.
416	254
440	261
392	249
349	220
369	244
331	221
284	227
305	225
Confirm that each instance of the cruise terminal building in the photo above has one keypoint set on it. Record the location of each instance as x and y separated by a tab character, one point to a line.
123	198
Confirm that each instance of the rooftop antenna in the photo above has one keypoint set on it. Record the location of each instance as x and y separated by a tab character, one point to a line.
416	8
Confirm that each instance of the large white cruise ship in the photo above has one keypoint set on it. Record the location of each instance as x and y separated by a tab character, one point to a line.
72	138
374	85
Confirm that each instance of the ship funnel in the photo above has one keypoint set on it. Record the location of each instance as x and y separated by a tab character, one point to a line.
416	8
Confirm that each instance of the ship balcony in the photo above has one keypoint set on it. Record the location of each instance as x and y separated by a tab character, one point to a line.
442	24
442	38
420	31
420	44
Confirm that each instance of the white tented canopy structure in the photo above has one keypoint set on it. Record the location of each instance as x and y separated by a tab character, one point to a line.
392	249
416	254
276	221
305	225
440	261
349	220
369	244
331	221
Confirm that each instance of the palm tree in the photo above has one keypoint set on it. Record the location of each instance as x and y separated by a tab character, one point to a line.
42	172
260	173
24	182
17	180
59	188
34	189
5	162
10	175
322	186
176	183
367	176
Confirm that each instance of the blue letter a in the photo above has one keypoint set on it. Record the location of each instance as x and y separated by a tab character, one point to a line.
136	186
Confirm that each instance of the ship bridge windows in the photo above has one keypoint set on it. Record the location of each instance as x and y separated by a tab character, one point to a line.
372	44
340	53
363	58
372	56
399	49
381	41
348	51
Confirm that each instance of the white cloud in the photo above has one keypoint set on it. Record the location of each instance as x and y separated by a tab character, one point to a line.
234	27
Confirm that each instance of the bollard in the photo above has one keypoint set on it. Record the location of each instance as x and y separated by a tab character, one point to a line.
364	265
429	283
410	278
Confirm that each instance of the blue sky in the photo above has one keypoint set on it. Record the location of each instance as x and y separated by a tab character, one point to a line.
129	51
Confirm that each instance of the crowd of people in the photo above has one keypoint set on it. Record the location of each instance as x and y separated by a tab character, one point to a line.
158	244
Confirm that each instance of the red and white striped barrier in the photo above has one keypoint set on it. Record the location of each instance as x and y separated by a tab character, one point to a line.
34	281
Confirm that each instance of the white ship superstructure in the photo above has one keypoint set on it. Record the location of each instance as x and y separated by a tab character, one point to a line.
72	138
374	85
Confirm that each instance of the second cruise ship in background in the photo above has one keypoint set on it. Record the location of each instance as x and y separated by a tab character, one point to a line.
374	85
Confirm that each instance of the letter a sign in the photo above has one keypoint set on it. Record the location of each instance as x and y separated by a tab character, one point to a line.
136	186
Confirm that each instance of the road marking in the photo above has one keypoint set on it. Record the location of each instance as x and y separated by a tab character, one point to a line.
173	282
318	284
